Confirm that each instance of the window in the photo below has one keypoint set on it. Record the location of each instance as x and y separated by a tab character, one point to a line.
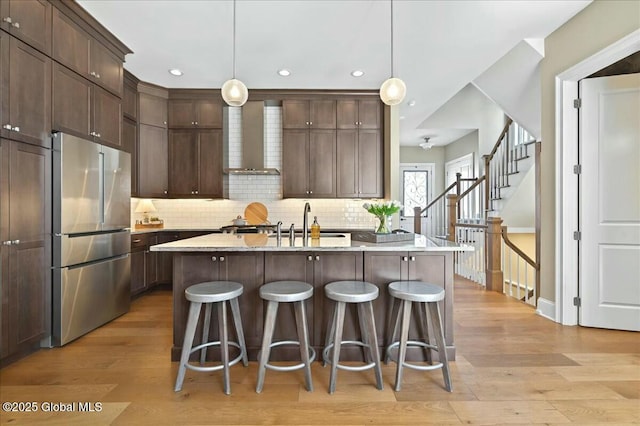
416	181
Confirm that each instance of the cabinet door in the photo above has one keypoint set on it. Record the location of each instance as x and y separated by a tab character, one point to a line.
347	114
28	92
30	22
106	68
130	100
210	163
370	165
151	263
5	249
247	269
281	266
29	188
70	45
138	267
369	114
347	164
71	100
152	162
295	163
165	258
295	114
322	163
130	145
328	267
107	117
181	113
153	110
183	160
322	114
208	114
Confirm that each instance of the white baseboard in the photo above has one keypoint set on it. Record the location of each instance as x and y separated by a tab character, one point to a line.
547	309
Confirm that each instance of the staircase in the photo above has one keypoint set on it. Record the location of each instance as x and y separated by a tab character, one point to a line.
467	212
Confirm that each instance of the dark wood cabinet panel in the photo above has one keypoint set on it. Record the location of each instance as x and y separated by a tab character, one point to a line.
347	114
107	117
210	163
190	113
71	102
26	92
106	68
309	114
130	145
70	45
151	262
295	163
153	110
183	156
359	114
138	282
30	21
359	164
322	163
153	163
130	98
25	229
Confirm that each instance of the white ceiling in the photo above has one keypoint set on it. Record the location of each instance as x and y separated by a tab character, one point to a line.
439	46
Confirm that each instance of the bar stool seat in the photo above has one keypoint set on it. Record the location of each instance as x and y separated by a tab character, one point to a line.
427	295
210	292
274	293
362	293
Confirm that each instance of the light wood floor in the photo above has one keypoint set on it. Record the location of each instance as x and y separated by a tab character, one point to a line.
512	367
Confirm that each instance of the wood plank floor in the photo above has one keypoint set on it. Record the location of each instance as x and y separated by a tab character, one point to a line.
512	367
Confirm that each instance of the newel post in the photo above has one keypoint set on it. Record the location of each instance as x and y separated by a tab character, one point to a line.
452	209
493	268
417	220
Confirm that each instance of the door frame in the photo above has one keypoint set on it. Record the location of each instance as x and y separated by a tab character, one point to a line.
469	157
429	167
567	142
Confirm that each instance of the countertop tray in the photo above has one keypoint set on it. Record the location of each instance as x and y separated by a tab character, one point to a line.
372	237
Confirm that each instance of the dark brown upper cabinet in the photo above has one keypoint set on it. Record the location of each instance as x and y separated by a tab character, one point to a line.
195	163
130	97
78	50
153	164
192	113
359	114
25	113
309	163
130	145
309	114
84	109
359	164
30	21
152	106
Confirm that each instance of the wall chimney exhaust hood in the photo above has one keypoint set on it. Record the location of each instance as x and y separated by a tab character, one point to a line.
252	142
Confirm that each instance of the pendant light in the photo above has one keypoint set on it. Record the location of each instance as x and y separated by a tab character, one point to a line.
234	92
393	90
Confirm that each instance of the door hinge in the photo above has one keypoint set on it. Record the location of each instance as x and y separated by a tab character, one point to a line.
577	103
577	235
577	169
577	302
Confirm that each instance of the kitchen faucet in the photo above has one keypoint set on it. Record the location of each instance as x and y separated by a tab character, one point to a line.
305	222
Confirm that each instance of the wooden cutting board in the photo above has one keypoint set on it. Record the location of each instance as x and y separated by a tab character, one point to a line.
256	214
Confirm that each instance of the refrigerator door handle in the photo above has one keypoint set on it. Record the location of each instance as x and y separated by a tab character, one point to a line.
101	185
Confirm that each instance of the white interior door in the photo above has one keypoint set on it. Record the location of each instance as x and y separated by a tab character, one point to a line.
462	165
610	202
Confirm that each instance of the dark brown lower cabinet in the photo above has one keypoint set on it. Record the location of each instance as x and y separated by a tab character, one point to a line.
25	246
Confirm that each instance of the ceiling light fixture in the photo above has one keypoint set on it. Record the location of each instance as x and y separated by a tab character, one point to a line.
393	90
357	73
176	72
234	92
284	72
426	144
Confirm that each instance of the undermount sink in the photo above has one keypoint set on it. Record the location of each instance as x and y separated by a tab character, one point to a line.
322	234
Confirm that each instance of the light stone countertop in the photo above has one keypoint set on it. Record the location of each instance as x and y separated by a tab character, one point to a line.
264	242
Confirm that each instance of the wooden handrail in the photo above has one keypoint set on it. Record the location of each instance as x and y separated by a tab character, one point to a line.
504	131
471	225
444	193
519	252
478	181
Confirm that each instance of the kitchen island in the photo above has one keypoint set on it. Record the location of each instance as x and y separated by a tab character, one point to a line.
255	259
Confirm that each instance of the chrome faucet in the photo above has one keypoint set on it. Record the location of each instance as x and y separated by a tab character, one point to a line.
292	236
305	222
279	232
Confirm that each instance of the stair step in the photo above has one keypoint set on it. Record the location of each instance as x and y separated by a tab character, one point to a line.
495	199
503	186
513	173
522	158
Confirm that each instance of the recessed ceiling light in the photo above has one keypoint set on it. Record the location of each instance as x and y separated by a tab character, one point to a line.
402	117
284	72
175	71
357	73
412	102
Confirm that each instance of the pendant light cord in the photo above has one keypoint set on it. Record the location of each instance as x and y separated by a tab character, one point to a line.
391	3
233	55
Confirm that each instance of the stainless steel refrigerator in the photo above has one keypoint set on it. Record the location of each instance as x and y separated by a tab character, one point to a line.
91	236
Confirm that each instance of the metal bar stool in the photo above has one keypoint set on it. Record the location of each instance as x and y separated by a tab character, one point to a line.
428	295
218	292
362	293
277	292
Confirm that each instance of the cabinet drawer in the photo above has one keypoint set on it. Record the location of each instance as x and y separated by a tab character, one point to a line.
139	241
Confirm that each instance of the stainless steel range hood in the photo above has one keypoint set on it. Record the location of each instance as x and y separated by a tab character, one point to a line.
252	142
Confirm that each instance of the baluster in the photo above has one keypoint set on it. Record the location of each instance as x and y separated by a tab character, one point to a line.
510	274
526	282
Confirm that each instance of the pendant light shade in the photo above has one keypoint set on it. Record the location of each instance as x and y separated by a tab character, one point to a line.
234	92
393	90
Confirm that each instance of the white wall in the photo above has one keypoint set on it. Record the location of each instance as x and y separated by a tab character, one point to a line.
519	210
597	26
467	144
434	155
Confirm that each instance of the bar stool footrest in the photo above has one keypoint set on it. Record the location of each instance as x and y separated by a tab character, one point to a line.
215	367
312	357
414	343
327	360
